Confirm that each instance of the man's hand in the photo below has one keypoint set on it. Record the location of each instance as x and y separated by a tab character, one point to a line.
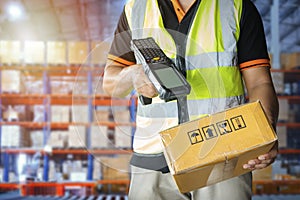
263	160
142	84
119	80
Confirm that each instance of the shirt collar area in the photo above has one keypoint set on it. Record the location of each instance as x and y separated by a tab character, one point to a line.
180	13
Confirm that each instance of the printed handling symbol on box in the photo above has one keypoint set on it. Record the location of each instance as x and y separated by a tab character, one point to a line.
238	122
195	136
210	132
224	127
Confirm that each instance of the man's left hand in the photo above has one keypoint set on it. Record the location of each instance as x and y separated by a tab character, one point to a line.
264	160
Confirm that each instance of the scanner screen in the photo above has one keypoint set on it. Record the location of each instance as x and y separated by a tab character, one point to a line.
168	77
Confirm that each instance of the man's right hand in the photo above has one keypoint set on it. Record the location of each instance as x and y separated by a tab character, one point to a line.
141	82
120	80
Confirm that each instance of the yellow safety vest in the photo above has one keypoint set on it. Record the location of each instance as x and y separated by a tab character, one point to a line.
211	63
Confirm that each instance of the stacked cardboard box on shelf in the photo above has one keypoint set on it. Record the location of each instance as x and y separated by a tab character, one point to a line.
32	85
99	52
10	52
99	137
76	137
263	174
11	81
101	114
38	113
282	136
123	136
77	52
80	85
14	136
58	139
60	113
97	175
290	60
62	85
284	112
34	52
77	172
120	114
115	168
56	53
37	138
278	81
79	113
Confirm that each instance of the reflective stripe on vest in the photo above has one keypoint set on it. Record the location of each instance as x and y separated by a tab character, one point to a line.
211	59
197	108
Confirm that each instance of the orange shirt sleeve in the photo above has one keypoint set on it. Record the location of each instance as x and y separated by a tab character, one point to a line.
255	63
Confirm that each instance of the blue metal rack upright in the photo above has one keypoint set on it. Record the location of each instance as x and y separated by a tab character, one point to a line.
132	110
47	114
90	163
5	155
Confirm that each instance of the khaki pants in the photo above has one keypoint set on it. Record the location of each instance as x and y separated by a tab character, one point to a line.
152	185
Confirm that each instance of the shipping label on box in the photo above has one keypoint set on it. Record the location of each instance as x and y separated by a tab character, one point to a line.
214	148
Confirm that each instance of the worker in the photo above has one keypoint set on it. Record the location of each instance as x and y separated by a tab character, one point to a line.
220	47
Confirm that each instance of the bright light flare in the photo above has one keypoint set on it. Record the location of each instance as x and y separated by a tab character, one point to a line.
14	11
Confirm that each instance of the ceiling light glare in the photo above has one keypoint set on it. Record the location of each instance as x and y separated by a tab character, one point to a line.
14	12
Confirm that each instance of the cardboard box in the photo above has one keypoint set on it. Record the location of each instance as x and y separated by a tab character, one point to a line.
77	137
60	113
80	113
290	60
282	136
11	81
115	168
34	52
14	136
10	52
121	116
77	52
278	81
214	148
123	136
99	137
263	174
101	115
37	138
99	52
284	110
56	52
58	139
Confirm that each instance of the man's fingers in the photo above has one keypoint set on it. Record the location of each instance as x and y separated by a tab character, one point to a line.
148	91
258	164
268	156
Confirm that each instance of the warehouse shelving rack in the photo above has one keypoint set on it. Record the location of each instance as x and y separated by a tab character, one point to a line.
47	99
287	185
289	75
45	71
276	187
